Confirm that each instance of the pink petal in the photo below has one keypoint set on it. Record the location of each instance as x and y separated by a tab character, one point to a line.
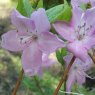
40	72
89	42
77	3
70	82
46	62
77	15
66	30
67	59
88	64
40	19
78	50
11	42
31	59
80	78
22	23
93	3
49	42
90	21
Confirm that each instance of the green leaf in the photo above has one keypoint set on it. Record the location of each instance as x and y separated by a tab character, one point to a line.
59	57
60	12
24	7
63	52
27	82
40	4
60	54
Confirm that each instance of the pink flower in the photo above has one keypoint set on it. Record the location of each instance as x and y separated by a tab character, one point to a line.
77	71
80	3
79	32
32	38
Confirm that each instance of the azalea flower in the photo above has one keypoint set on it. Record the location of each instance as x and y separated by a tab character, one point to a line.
77	71
32	38
85	4
79	32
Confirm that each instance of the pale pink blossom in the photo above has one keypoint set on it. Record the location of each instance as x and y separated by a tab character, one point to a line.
33	38
77	72
79	32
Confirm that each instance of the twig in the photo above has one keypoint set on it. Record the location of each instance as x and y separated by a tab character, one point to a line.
92	57
38	85
65	86
18	82
64	76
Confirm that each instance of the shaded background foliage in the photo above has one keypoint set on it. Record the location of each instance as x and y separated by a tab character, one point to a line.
10	63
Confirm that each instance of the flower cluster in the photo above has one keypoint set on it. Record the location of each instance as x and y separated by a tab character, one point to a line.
32	37
80	36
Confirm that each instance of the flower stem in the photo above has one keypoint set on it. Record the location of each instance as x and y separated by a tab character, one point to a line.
38	85
92	57
18	82
64	76
65	86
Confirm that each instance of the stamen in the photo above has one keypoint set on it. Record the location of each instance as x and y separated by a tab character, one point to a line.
87	29
21	39
34	37
84	25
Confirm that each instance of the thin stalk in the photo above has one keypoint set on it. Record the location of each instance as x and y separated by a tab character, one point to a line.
64	76
65	86
75	86
38	85
18	82
92	57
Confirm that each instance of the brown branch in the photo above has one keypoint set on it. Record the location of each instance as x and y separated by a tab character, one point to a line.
18	82
92	57
65	86
64	76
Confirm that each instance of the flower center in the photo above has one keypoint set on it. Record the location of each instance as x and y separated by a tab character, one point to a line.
82	31
27	38
35	37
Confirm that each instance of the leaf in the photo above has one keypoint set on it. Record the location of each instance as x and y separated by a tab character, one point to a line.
60	12
63	52
50	3
24	7
40	4
59	57
60	54
27	82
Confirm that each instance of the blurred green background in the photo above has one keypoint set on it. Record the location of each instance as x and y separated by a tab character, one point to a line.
10	64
